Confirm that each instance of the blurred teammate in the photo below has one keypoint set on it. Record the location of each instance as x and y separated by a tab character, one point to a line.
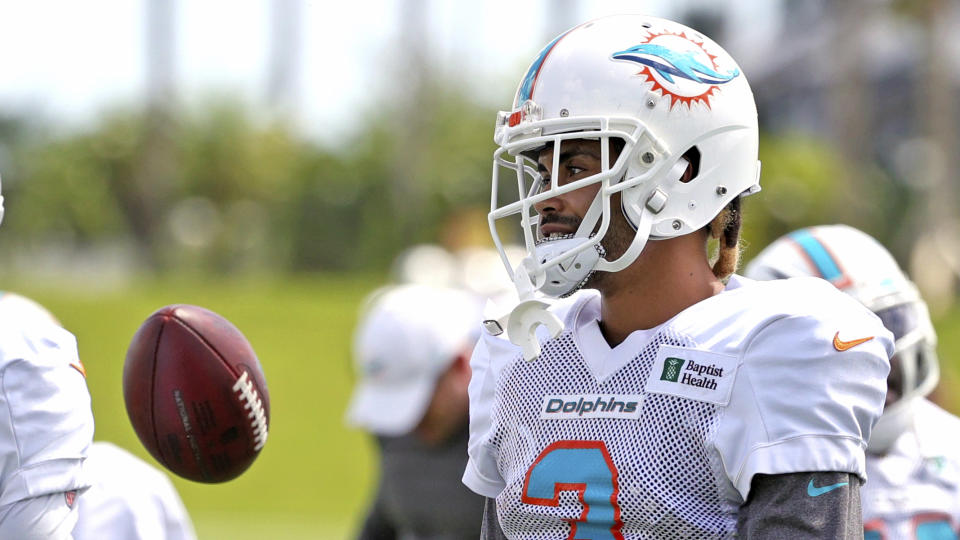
412	352
671	402
475	269
126	498
913	461
129	499
46	424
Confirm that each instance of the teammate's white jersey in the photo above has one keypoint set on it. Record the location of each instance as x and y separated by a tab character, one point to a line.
914	489
46	423
129	499
660	436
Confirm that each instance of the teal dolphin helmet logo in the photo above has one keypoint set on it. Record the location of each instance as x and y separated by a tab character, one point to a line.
679	67
668	63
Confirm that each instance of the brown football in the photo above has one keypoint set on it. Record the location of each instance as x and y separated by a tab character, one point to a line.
196	394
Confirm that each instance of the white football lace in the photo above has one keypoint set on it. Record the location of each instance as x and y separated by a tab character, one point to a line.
258	417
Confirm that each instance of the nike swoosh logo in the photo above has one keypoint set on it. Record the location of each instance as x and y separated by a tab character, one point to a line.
814	491
841	345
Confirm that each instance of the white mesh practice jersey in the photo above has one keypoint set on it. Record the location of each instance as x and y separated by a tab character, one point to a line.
129	499
46	423
913	491
660	436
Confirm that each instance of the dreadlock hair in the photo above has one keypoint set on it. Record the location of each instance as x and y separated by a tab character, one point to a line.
726	229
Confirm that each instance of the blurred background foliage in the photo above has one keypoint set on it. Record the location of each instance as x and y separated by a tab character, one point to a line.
215	188
235	194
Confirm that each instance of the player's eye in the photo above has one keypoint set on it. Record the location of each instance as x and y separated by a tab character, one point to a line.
543	183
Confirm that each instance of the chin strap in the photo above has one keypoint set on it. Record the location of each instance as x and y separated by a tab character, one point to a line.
643	229
646	210
522	321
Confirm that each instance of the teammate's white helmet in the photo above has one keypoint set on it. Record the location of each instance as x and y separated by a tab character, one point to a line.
666	91
859	266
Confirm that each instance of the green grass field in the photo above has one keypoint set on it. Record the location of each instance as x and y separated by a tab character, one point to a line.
314	476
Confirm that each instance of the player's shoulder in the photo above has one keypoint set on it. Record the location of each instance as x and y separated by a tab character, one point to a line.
32	340
811	310
752	303
797	312
790	297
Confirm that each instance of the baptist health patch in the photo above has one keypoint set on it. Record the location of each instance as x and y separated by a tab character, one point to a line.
693	374
569	406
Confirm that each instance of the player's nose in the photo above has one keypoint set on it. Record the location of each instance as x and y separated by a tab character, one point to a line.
553	204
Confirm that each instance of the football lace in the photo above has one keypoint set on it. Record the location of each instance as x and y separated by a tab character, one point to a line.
257	415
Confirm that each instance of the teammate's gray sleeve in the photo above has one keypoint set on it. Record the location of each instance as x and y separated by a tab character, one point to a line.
801	506
490	529
419	496
377	524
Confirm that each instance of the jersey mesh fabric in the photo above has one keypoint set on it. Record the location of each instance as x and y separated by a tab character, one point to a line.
668	476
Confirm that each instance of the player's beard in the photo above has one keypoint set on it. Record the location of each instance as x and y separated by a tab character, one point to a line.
616	242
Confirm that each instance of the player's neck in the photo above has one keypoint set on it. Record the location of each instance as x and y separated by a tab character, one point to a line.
668	277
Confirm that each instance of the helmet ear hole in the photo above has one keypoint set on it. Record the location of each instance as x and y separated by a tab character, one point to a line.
617	144
693	169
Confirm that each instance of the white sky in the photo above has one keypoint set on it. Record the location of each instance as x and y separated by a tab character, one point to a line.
65	61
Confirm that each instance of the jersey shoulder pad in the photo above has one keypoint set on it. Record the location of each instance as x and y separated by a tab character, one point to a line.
33	341
810	384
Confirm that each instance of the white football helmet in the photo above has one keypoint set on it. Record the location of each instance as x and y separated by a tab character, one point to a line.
859	266
665	91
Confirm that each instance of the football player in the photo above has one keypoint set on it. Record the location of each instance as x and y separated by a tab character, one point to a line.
46	426
670	399
129	499
412	351
913	463
126	497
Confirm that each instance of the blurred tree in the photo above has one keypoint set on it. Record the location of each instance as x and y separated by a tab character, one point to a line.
61	189
242	194
804	184
347	211
253	195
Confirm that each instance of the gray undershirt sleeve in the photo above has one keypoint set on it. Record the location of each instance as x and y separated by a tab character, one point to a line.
376	524
802	506
490	529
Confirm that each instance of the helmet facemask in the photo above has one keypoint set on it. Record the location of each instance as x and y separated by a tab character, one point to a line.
559	266
914	370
